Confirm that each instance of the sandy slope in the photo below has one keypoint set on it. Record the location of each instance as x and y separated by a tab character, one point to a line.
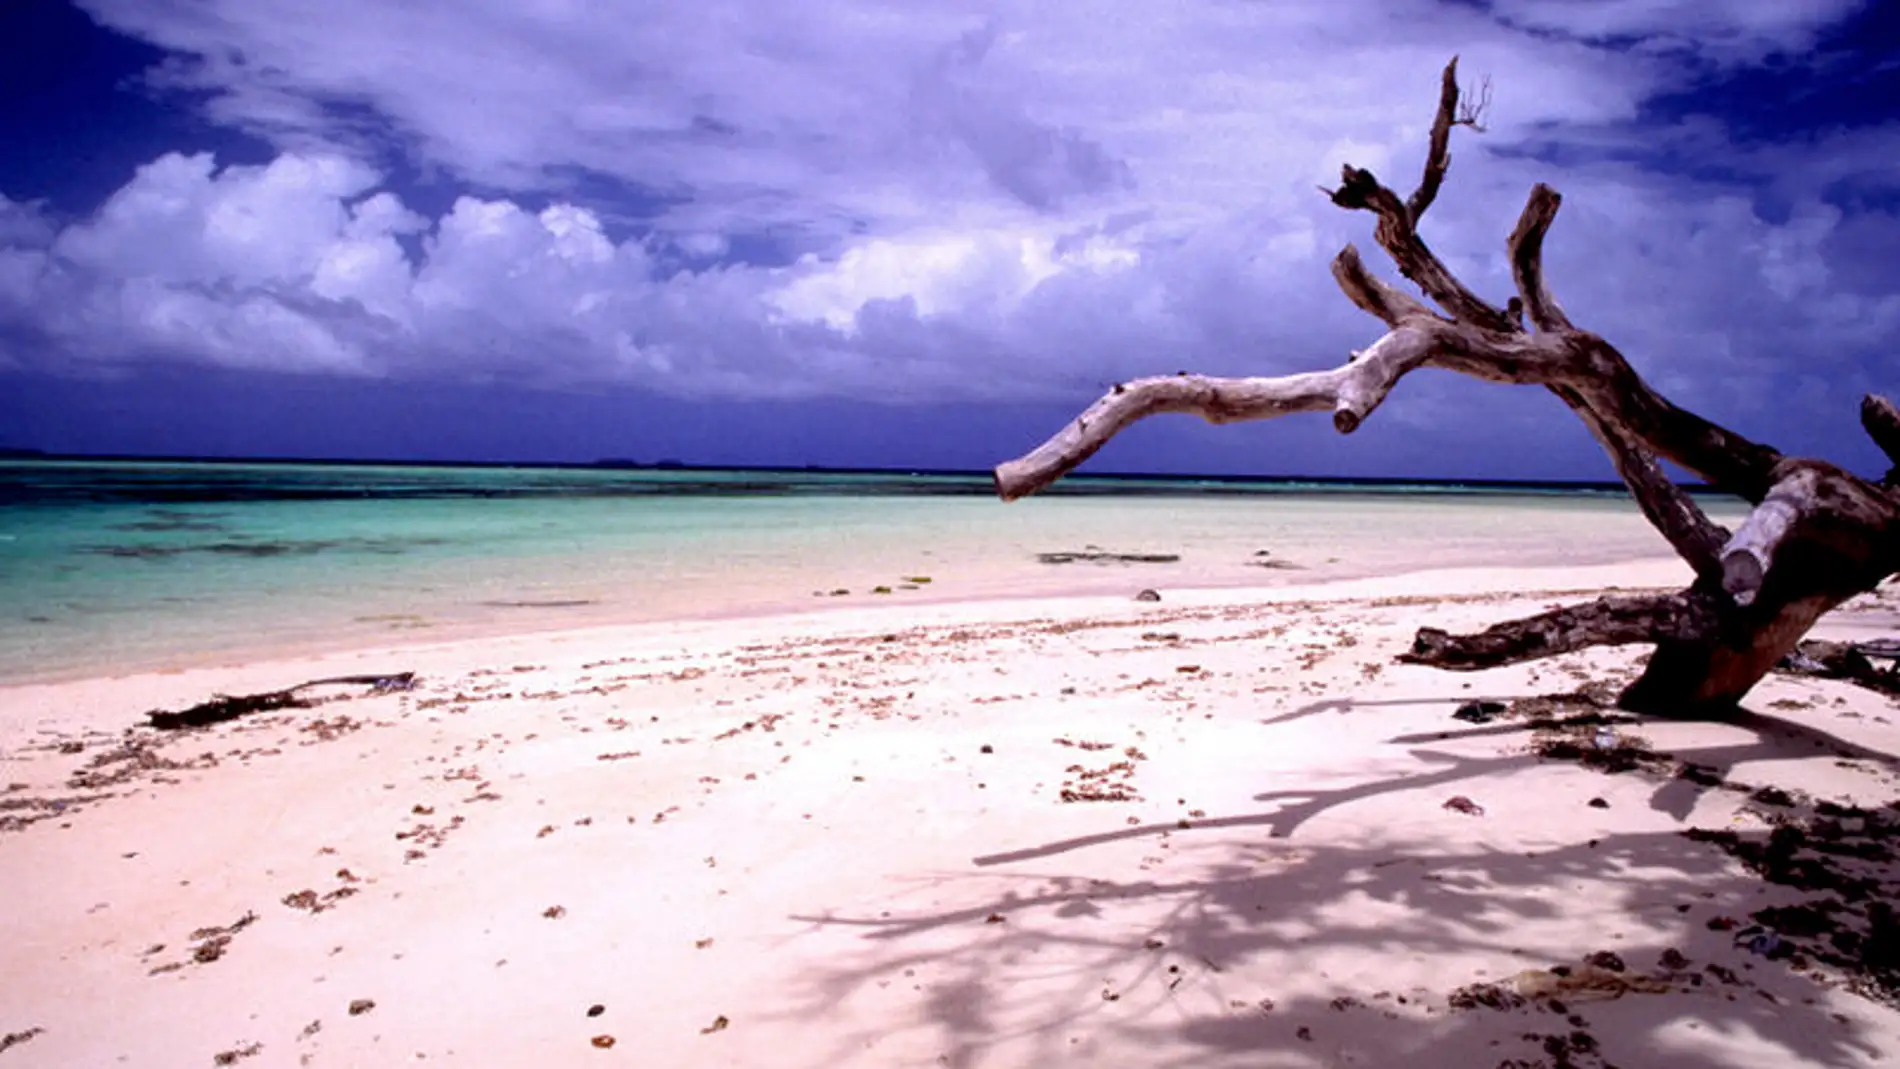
844	836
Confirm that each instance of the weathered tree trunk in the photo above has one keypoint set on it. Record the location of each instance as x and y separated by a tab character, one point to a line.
1817	536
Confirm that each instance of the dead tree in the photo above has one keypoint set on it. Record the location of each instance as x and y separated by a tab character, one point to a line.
1817	535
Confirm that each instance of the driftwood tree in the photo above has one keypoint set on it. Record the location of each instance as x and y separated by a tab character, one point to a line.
1817	535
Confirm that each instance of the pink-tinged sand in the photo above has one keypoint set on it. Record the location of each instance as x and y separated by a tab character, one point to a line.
843	835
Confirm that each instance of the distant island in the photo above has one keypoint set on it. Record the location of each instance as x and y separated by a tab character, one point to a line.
622	462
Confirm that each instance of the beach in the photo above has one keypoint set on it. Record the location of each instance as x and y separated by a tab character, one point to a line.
1221	828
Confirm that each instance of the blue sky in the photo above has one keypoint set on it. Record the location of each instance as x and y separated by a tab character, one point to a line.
854	233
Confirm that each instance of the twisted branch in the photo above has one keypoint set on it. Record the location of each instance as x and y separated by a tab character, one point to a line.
1607	621
1359	189
1351	391
1438	154
1696	539
1527	259
1882	422
1818	535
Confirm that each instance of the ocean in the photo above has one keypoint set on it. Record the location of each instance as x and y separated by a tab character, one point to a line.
109	567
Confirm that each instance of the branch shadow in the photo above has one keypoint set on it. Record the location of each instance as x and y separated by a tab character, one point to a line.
1205	969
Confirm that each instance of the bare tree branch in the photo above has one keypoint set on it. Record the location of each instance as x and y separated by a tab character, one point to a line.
1453	110
1607	621
1359	189
1820	528
1372	296
1586	372
1818	536
1746	557
1351	392
1728	461
1527	259
1471	112
1438	152
1882	421
1668	508
1725	459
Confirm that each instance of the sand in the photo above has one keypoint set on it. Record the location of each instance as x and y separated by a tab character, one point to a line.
1224	829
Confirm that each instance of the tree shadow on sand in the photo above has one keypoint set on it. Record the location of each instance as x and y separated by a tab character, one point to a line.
1652	943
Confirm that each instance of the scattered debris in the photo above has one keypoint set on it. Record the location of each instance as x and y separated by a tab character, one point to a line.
134	757
213	941
1098	556
1485	996
1849	661
316	903
1601	749
1845	852
1604	959
719	1024
1479	712
230	1057
1460	804
361	1006
224	707
1559	984
1111	783
1762	941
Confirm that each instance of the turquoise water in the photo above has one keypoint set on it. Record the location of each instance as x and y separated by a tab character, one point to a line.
128	566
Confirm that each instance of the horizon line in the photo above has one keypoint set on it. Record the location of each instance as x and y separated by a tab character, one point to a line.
670	464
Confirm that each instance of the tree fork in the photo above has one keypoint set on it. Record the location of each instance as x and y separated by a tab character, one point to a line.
1817	535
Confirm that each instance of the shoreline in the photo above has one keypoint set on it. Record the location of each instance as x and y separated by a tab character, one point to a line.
920	606
1223	829
167	587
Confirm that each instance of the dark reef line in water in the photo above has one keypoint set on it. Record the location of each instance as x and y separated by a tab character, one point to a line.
168	526
184	483
275	548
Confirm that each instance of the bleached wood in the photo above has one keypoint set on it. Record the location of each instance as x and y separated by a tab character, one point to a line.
1817	535
1350	392
1747	556
1372	296
1527	259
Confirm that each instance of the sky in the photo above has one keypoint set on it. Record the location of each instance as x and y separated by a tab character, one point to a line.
852	233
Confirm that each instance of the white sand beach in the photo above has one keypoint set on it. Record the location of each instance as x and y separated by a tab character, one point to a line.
1208	831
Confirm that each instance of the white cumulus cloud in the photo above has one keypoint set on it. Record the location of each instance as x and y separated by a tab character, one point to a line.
935	200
